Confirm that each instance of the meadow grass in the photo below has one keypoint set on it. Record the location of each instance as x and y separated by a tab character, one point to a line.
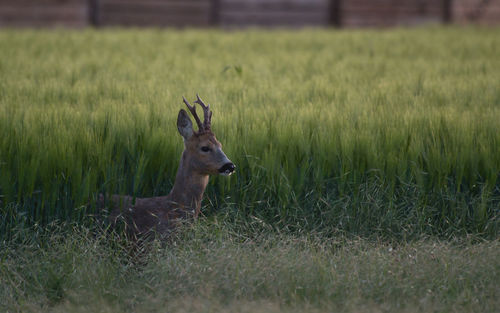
207	268
389	133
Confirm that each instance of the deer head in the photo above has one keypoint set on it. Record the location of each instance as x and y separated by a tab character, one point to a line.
202	150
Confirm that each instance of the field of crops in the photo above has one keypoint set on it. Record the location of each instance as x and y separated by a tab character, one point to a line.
391	133
368	169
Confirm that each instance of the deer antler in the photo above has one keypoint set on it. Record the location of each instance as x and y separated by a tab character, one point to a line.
207	114
192	109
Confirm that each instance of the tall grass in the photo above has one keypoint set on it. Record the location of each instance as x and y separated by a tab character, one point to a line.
364	132
207	269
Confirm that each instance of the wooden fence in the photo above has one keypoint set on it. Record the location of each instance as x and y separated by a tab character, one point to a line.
242	13
32	13
356	13
477	11
274	12
177	13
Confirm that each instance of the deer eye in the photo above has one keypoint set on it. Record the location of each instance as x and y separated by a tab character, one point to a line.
205	149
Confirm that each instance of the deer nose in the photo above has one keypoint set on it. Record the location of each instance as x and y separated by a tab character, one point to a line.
227	169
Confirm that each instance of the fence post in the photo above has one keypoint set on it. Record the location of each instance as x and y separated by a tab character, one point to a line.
447	11
336	13
215	12
93	6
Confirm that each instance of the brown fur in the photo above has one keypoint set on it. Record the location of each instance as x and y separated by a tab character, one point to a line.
163	214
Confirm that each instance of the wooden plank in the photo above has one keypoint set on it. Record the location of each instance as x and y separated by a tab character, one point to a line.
283	6
376	8
393	2
126	19
158	3
383	12
274	12
71	14
359	13
388	22
42	2
273	18
142	9
474	11
260	2
155	12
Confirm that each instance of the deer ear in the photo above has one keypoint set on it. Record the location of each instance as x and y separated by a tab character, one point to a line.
184	125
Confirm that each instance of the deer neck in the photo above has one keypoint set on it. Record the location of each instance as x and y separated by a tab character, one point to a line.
189	186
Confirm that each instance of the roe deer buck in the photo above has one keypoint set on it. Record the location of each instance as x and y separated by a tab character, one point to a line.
202	156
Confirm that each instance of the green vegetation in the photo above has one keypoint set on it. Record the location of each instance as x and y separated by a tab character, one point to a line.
391	133
210	270
367	180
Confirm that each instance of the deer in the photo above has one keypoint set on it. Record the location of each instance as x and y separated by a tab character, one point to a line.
202	157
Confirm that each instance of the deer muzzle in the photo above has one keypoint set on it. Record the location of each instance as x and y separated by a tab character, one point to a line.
227	169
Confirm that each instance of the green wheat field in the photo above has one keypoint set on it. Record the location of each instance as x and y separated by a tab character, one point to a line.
368	169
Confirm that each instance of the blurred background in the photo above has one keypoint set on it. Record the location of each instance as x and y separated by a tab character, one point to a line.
243	13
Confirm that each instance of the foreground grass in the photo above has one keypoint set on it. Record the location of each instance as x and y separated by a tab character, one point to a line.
391	133
211	268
